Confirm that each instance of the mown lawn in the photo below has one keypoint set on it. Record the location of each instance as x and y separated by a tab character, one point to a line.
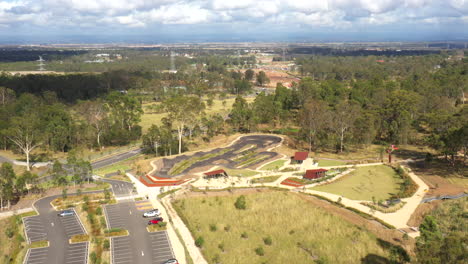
329	163
299	232
364	183
275	165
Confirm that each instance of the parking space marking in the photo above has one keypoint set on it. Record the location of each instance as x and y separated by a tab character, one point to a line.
121	250
161	247
36	256
34	229
72	225
77	253
113	217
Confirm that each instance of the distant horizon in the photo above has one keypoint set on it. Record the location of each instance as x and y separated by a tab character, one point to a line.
197	21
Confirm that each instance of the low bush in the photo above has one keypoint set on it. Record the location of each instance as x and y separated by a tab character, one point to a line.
268	241
199	242
241	203
260	251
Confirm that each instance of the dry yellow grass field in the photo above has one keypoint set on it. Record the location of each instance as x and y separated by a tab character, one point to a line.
300	232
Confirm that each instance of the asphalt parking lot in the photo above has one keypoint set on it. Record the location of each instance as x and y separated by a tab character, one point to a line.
121	249
140	246
77	253
37	256
34	227
114	215
161	247
72	225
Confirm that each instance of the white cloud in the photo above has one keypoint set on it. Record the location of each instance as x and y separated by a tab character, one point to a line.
319	13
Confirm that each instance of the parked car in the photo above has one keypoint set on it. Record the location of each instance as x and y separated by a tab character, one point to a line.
155	221
66	213
152	213
171	261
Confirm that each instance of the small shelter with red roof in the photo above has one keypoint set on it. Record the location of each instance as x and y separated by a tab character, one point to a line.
300	156
215	174
314	174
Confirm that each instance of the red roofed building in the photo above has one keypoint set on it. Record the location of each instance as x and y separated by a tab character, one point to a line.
314	174
299	157
215	174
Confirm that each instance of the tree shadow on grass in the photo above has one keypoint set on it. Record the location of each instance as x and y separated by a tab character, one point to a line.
375	259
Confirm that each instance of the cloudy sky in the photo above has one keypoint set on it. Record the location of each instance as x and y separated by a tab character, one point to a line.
232	20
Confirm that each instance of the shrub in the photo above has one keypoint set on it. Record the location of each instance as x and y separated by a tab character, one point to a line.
260	251
162	224
64	193
221	247
268	241
241	203
9	233
227	228
244	235
85	207
78	192
99	211
103	222
93	257
199	242
213	227
106	244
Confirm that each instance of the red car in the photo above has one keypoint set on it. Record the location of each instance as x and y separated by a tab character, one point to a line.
155	221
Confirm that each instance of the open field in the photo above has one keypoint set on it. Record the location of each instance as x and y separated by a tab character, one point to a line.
149	118
308	232
329	163
364	183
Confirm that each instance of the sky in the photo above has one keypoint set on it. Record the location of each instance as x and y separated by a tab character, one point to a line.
158	21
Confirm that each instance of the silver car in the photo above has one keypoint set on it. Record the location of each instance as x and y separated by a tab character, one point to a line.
66	213
152	213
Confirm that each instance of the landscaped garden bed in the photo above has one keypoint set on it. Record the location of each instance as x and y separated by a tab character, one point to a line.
266	179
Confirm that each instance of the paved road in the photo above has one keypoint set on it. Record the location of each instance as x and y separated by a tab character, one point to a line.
116	158
120	188
57	230
140	246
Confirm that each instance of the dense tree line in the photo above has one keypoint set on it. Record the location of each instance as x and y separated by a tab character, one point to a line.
29	121
338	114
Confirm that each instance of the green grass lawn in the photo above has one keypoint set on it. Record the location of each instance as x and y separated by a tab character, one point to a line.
364	183
275	165
329	163
240	172
299	231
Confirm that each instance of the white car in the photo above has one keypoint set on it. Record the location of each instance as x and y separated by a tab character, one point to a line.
152	213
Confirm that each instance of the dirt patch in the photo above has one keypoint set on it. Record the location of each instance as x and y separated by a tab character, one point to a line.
422	210
432	174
